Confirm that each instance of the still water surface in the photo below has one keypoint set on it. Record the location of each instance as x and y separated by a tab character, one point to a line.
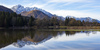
49	40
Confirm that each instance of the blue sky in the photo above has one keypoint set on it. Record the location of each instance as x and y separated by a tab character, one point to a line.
77	8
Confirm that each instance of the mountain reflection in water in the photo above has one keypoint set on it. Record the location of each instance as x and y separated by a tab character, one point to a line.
20	38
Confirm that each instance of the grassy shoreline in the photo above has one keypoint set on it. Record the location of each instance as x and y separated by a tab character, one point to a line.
75	27
69	29
59	28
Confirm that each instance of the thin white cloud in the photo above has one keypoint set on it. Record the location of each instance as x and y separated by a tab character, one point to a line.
84	6
59	1
8	6
88	6
96	6
53	6
64	13
39	6
75	13
66	4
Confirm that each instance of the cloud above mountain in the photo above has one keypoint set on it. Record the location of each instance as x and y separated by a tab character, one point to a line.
78	8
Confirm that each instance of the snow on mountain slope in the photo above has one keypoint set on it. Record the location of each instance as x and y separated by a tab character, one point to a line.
19	8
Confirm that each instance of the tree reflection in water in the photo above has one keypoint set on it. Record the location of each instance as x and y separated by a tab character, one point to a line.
20	38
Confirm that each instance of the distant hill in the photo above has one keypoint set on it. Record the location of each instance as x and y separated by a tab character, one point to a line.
35	14
5	9
85	19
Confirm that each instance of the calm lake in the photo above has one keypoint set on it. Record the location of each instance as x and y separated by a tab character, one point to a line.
49	40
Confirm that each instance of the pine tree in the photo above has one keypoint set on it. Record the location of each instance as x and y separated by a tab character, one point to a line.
31	20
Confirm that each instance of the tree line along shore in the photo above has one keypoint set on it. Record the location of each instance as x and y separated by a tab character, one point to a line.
13	20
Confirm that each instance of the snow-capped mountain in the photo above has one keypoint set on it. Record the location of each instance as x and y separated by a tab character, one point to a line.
85	19
19	8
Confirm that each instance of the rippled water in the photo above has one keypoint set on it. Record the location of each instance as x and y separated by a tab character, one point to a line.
49	40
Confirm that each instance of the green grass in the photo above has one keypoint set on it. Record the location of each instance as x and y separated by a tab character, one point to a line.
75	27
69	29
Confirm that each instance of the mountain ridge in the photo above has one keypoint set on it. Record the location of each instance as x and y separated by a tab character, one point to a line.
35	14
19	8
84	19
5	9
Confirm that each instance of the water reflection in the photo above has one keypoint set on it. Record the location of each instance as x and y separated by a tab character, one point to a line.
21	38
24	36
